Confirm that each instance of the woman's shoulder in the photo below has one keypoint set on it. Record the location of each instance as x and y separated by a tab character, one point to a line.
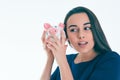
70	57
107	67
110	57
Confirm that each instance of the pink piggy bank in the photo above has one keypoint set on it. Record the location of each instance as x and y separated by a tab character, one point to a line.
53	29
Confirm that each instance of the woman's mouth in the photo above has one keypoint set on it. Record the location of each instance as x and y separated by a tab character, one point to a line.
82	44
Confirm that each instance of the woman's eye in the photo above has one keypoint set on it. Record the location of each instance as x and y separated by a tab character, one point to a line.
73	30
87	28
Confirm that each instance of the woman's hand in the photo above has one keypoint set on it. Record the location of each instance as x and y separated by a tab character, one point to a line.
48	67
58	49
45	43
57	46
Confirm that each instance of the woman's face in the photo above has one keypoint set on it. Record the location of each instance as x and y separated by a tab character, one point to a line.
79	33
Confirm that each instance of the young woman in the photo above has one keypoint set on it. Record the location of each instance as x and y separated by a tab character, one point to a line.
94	61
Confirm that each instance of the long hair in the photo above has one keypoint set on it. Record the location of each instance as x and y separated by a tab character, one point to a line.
101	44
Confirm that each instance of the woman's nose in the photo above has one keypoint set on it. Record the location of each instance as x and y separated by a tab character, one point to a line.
81	35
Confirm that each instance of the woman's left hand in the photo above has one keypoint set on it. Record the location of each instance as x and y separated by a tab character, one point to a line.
58	46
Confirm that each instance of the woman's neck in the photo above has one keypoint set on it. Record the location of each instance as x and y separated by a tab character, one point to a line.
83	57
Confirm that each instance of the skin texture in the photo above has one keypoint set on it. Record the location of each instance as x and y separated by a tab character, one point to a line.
80	37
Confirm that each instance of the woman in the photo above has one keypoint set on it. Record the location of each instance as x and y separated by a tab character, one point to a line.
94	61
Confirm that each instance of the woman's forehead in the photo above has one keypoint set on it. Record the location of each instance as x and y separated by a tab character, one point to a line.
79	18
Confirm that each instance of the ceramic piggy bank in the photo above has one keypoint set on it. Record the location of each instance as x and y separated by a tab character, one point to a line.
51	30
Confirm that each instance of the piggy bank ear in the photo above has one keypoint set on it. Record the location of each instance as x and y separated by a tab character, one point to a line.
47	26
61	25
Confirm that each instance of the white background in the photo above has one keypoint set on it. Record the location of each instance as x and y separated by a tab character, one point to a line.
21	24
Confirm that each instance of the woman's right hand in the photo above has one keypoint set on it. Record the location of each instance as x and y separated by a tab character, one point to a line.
45	43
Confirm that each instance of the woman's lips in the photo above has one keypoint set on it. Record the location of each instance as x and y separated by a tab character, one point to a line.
82	43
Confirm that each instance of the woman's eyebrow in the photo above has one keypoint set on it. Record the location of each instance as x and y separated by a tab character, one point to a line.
76	25
86	23
72	26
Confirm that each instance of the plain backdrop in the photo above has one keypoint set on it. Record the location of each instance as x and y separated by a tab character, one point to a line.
21	24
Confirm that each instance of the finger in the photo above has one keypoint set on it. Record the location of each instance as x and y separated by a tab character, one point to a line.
51	47
66	46
43	36
63	37
55	39
52	42
50	39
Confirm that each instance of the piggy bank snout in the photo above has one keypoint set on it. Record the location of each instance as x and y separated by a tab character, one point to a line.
53	30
